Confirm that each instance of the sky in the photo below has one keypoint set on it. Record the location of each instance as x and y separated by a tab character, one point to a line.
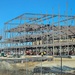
10	9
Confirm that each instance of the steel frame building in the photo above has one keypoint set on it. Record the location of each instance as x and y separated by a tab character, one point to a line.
52	33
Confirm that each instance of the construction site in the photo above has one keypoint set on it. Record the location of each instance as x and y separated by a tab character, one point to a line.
39	44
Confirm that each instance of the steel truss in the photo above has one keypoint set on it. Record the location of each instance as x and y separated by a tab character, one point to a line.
39	33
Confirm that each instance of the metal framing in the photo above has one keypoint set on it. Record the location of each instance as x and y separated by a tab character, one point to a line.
39	33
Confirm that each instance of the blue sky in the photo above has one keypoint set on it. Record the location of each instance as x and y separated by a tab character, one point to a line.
13	8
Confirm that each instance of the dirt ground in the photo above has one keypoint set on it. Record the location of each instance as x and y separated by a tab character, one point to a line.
70	62
56	62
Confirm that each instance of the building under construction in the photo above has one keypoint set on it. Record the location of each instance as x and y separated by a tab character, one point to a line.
33	34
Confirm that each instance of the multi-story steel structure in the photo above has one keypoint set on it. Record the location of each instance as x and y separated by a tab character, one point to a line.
36	33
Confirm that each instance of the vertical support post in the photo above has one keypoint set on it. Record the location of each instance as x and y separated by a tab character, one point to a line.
47	41
53	28
47	35
60	37
41	45
59	31
61	65
26	54
67	28
19	51
41	52
4	34
36	42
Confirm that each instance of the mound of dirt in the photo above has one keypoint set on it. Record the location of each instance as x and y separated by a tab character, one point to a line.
5	66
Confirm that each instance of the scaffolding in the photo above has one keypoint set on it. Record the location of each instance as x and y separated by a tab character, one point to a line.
39	38
33	34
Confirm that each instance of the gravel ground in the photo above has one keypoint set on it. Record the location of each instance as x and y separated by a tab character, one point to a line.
9	68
